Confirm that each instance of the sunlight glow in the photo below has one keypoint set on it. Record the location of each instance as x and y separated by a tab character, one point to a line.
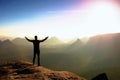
103	18
98	18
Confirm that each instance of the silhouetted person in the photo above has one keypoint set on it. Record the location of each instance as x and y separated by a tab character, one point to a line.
36	48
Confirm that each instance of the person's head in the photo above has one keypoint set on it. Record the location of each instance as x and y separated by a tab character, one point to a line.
35	37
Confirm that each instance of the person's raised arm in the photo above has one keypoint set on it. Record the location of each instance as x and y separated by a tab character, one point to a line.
44	39
28	39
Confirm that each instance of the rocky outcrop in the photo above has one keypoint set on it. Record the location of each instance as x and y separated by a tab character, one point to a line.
27	71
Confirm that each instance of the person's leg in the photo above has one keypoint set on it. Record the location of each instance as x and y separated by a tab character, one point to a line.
38	54
34	56
38	59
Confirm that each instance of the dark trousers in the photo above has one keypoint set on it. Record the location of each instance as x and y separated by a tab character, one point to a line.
34	56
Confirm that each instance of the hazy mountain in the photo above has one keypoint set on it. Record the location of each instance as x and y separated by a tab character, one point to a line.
20	41
77	43
6	43
103	53
105	47
50	41
100	54
53	41
75	46
8	50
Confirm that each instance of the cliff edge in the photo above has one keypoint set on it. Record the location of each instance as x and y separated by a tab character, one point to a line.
26	71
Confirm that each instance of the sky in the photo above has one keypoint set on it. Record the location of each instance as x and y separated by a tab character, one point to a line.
64	19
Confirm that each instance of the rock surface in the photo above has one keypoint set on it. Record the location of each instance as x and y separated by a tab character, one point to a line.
26	71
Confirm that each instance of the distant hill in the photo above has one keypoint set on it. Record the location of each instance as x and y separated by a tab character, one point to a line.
53	41
6	43
50	41
105	47
77	43
27	71
8	51
20	41
75	46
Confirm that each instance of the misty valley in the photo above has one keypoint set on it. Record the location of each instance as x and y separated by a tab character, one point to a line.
100	54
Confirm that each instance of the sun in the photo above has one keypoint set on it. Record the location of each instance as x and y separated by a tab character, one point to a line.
102	17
